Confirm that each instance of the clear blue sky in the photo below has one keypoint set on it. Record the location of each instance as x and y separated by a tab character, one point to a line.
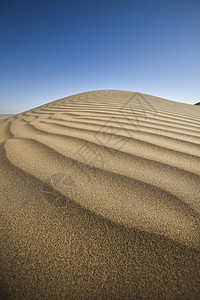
52	49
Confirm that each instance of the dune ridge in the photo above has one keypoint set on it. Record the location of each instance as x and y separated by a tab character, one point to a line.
100	197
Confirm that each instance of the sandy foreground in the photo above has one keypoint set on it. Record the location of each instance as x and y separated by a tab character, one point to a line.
100	199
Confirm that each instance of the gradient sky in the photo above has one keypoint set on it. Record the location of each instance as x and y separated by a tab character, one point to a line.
52	49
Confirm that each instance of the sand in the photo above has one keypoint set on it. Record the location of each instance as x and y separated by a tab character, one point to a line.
3	117
100	199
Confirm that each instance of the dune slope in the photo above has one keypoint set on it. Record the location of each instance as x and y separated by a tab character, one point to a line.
100	198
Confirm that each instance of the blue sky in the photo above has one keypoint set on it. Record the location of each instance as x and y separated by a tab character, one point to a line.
52	49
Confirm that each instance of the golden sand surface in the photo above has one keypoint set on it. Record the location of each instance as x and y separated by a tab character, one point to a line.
100	199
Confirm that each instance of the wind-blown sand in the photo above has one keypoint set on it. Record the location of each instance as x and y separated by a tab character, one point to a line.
100	198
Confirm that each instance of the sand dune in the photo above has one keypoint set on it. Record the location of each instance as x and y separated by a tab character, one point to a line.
3	117
100	198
